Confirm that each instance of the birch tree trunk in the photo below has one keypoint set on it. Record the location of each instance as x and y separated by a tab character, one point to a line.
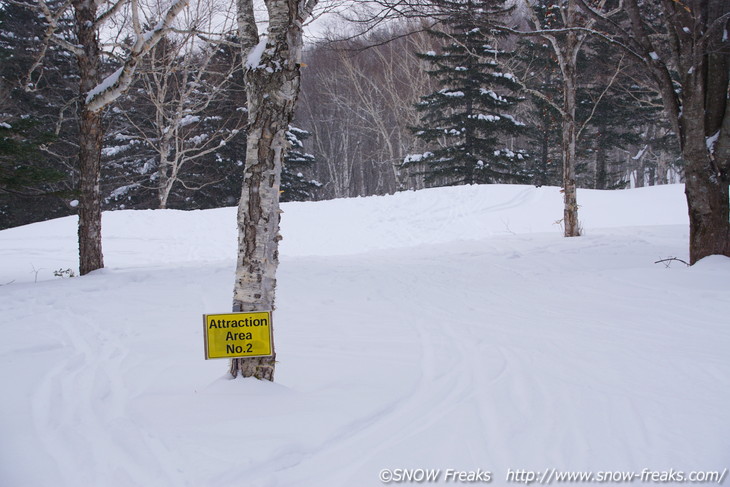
272	76
569	137
164	179
566	50
566	46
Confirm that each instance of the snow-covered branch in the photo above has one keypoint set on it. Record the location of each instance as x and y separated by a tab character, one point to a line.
115	84
110	12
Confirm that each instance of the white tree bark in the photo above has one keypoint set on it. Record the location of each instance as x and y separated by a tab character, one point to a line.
272	74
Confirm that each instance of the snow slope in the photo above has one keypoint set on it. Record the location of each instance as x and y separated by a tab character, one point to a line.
446	328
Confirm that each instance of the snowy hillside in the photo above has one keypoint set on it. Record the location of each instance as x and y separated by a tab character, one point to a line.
450	328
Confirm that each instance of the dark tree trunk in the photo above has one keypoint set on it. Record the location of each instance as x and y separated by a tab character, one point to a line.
601	161
706	186
542	172
90	141
90	254
698	112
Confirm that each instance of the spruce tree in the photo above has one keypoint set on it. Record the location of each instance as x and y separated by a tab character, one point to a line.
294	185
612	94
467	122
36	121
541	75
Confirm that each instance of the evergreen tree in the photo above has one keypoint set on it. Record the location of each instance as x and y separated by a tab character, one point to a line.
467	121
612	152
542	75
19	148
294	185
36	121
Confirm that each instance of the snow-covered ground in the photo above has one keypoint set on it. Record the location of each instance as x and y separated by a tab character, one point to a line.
450	328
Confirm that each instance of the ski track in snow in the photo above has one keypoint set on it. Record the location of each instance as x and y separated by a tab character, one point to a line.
446	378
430	330
82	401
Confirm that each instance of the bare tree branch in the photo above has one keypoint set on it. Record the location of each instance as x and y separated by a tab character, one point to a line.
117	83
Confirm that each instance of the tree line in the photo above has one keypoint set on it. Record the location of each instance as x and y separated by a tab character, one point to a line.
680	54
571	93
365	99
175	138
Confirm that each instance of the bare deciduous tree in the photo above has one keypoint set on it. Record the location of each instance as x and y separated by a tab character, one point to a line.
566	29
685	49
359	103
96	93
181	82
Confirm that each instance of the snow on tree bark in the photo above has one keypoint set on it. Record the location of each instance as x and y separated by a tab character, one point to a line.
114	85
272	84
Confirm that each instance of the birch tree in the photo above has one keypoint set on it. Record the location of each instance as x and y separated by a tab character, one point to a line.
272	78
358	100
95	93
563	25
181	83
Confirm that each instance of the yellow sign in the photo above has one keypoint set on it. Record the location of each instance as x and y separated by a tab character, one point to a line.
233	335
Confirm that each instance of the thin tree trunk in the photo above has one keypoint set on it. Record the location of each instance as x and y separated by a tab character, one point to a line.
640	171
601	160
569	136
566	49
542	172
163	174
